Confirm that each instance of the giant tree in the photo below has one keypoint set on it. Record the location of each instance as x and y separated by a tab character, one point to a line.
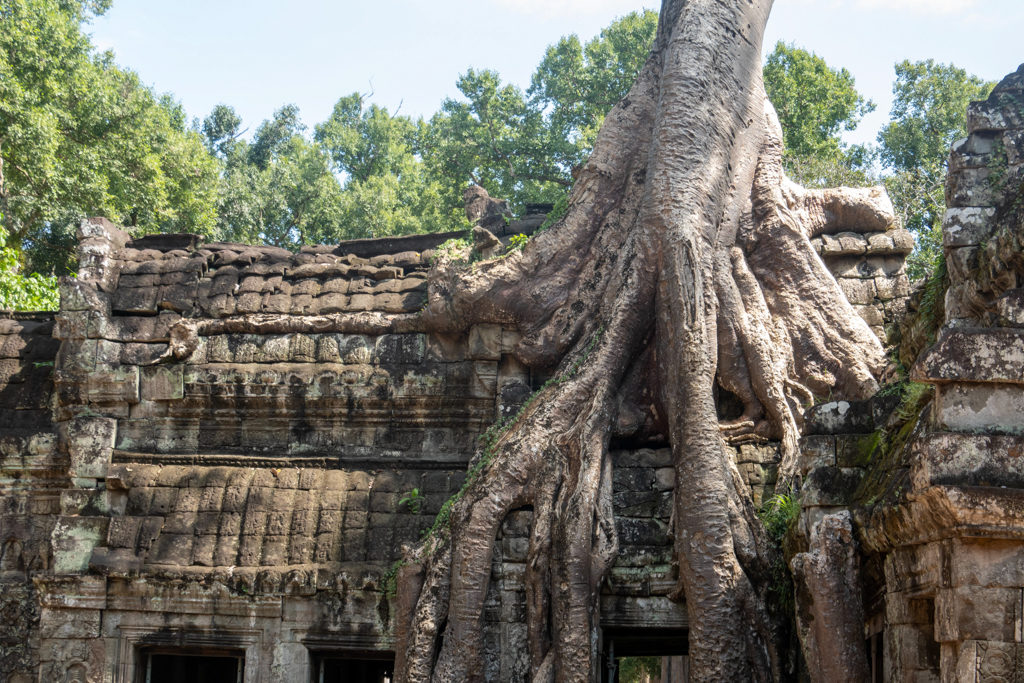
683	260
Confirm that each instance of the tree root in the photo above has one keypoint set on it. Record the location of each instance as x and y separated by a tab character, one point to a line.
684	260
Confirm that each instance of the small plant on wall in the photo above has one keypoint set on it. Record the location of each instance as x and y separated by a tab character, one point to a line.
413	500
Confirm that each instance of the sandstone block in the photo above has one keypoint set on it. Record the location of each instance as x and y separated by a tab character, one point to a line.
997	408
857	290
839	417
73	539
991	115
993	355
954	459
485	342
816	451
90	443
978	613
826	486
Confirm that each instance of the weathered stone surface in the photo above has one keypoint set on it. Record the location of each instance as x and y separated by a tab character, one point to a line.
827	486
839	417
968	460
995	408
974	355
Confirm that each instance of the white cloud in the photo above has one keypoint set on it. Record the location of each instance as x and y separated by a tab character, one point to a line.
923	6
548	9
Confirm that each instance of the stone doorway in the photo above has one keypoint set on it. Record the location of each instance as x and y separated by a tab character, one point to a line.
666	648
170	666
365	667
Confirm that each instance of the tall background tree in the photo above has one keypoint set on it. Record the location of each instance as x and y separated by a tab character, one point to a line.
80	136
928	115
816	104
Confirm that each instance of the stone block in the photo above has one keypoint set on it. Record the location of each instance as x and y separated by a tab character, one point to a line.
69	624
978	613
89	443
866	266
856	450
114	561
993	115
955	459
816	450
986	562
73	540
163	383
827	486
93	502
484	342
996	408
891	288
76	295
839	417
641	531
857	290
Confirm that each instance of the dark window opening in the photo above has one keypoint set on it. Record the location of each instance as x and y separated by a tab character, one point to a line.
353	667
208	666
635	655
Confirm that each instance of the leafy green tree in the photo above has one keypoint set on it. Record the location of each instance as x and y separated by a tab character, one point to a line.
81	136
388	190
19	292
816	104
526	146
278	189
929	113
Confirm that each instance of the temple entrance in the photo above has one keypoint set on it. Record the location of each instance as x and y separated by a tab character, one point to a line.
645	655
356	667
169	666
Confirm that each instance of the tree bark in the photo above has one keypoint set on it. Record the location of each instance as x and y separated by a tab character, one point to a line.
684	260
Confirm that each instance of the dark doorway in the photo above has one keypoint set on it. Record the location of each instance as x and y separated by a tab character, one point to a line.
628	651
173	667
361	667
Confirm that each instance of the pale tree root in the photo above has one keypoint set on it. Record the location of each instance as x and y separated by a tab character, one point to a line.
830	611
684	260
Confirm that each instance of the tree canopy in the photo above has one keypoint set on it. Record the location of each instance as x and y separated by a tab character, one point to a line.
81	135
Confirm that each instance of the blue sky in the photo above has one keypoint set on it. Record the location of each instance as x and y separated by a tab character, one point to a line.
258	55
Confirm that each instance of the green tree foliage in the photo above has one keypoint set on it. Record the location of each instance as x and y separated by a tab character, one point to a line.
527	146
278	189
928	115
816	104
81	136
18	292
639	669
388	189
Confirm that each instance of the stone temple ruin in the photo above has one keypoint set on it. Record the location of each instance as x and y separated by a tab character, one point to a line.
217	451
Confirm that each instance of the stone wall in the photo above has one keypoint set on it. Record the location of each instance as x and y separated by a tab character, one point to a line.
32	476
871	271
936	487
241	488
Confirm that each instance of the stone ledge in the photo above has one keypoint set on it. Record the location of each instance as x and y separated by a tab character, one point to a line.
993	355
948	458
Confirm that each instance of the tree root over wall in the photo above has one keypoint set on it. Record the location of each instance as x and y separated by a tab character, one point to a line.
684	259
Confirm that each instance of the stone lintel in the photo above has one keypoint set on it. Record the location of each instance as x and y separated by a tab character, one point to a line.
75	592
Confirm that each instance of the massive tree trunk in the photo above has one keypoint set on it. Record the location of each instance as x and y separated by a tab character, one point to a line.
684	259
